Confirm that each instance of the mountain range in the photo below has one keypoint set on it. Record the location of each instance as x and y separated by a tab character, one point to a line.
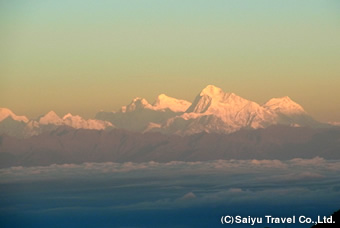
216	125
67	145
212	111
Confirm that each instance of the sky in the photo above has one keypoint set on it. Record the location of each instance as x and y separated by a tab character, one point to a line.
86	56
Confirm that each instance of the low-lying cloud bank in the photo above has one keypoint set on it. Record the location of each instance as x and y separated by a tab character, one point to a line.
298	168
173	194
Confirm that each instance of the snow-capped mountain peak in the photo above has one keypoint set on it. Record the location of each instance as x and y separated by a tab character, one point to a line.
283	105
136	104
212	91
50	118
162	103
212	100
161	99
165	102
213	110
70	116
5	112
77	122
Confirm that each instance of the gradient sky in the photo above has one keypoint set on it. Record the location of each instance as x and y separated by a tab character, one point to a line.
85	56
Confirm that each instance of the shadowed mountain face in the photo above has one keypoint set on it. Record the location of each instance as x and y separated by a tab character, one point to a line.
68	145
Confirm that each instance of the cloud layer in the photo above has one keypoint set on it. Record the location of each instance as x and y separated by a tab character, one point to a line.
187	193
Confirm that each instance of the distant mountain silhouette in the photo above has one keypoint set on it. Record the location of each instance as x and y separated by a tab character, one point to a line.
69	145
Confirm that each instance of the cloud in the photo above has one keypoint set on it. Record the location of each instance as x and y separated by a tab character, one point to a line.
235	190
176	189
261	170
188	196
317	161
268	163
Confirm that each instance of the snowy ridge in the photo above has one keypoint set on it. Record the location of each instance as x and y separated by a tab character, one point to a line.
162	103
140	115
50	118
216	111
212	111
20	126
283	105
5	113
79	122
136	104
165	102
